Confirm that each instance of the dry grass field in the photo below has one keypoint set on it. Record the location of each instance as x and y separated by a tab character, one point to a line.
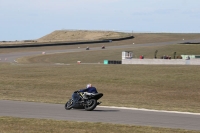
19	125
39	79
152	87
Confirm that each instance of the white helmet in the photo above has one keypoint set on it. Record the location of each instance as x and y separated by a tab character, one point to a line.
89	85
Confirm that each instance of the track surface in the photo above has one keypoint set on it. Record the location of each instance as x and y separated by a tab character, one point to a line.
101	114
11	57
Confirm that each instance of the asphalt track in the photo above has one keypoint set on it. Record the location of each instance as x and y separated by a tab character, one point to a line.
142	117
101	114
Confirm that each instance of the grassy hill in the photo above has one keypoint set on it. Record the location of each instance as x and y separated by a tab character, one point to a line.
78	35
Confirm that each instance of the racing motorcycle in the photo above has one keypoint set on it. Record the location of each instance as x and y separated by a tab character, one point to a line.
78	102
87	48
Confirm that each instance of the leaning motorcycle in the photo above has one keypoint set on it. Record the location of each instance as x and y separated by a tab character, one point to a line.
78	102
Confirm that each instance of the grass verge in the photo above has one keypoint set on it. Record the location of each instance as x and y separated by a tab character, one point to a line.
20	125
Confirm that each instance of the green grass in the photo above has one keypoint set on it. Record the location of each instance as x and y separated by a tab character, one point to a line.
19	125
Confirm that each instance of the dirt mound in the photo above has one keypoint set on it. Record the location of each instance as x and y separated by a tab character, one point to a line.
81	35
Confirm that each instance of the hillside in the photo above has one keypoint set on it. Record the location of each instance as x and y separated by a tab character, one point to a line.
80	35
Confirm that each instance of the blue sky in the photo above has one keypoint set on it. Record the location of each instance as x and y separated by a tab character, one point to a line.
32	19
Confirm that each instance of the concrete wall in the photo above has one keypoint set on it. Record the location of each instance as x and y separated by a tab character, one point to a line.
162	61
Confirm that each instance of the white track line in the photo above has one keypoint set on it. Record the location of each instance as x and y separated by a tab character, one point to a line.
151	110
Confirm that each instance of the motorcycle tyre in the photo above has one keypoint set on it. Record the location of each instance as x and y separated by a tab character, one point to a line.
93	106
68	105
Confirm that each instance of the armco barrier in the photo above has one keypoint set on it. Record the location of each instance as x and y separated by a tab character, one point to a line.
124	38
63	43
52	44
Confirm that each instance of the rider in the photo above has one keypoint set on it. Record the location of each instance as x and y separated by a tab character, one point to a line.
90	90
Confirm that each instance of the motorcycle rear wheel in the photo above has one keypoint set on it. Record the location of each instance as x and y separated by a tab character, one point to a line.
91	104
68	105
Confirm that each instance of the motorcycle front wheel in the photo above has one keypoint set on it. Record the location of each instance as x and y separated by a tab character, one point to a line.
68	105
90	104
